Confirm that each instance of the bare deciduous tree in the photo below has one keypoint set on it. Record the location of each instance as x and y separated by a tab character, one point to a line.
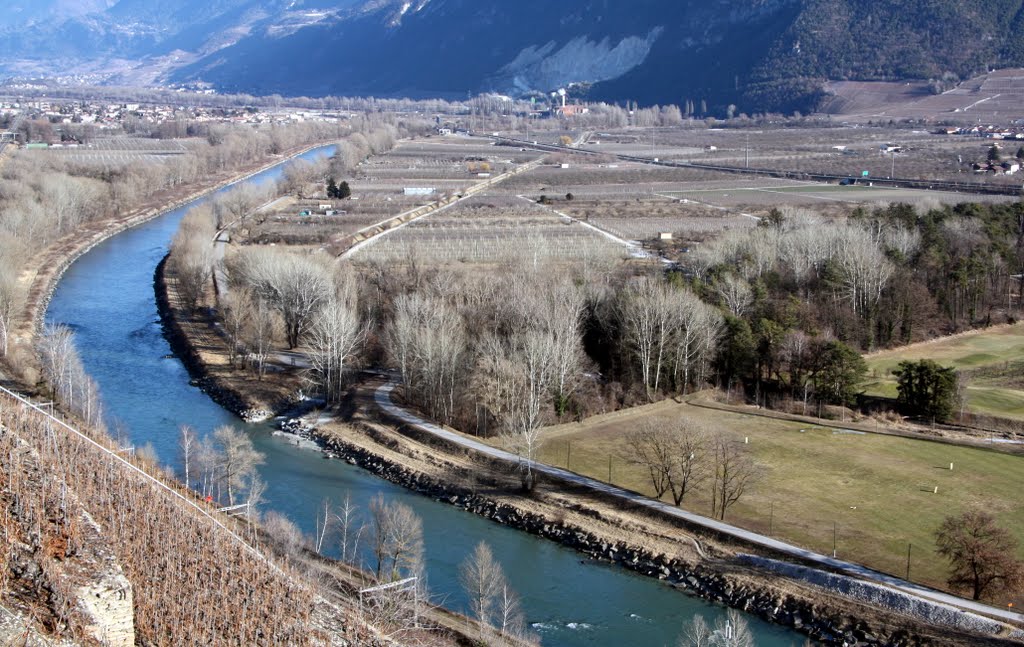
237	460
10	298
191	256
696	633
397	540
297	178
334	339
983	555
730	630
734	473
62	369
650	314
517	377
864	269
561	314
297	286
258	333
350	530
483	580
324	519
695	340
674	456
427	339
509	618
188	445
234	206
735	294
235	312
283	533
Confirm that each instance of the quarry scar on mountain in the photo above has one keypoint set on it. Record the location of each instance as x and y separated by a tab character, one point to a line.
579	60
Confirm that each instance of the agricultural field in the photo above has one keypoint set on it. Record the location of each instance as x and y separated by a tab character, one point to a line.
844	150
991	362
442	163
112	153
628	200
638	202
761	194
645	218
877	489
446	166
632	201
491	229
291	221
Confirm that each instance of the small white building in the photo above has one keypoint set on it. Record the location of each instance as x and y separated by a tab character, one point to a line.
412	190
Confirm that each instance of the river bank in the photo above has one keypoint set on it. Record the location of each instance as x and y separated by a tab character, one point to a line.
690	560
339	583
44	271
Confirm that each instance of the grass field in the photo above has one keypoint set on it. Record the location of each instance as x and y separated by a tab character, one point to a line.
992	361
878	490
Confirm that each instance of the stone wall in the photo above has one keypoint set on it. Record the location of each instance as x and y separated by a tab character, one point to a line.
109	604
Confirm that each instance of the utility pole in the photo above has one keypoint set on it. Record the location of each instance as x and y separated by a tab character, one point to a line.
833	539
771	519
892	174
908	561
746	154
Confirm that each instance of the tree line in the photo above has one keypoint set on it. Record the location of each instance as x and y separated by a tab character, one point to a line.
802	294
43	197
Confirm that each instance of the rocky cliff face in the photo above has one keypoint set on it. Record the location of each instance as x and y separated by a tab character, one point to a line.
108	603
581	59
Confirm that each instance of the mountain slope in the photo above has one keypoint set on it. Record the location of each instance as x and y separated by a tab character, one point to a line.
451	47
757	54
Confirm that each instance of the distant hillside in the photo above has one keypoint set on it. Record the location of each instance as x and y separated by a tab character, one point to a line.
760	55
865	40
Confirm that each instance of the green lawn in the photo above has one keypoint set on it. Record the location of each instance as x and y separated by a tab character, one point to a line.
878	490
986	349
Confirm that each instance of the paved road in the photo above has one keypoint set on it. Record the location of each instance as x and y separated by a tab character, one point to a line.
383	399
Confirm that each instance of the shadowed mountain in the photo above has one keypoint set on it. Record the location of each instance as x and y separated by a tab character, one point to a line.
756	54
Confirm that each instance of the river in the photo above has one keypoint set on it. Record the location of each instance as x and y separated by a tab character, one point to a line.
107	297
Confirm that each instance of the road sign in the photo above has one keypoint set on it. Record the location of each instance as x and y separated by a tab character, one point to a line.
864	174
